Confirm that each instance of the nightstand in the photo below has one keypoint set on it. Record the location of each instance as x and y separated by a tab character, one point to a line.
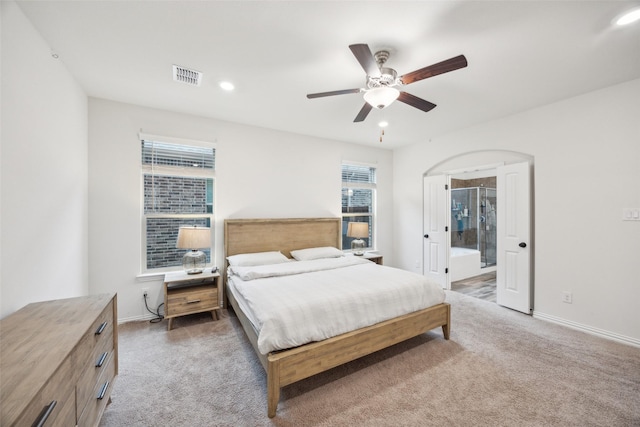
377	258
191	293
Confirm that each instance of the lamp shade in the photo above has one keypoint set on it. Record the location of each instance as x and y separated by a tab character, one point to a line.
194	238
381	97
358	230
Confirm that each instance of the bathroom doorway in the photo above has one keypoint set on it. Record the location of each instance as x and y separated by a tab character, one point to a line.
473	256
513	225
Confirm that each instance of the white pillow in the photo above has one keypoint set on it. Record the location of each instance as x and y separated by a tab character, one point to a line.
257	258
316	253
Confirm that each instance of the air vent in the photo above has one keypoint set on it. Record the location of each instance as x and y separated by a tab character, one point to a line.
185	75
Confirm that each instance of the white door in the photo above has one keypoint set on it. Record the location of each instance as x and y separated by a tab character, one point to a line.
435	240
514	237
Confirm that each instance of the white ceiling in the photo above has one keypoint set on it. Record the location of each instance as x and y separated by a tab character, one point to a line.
521	55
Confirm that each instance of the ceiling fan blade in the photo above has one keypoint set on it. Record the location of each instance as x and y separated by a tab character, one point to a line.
364	112
435	69
416	102
335	92
365	58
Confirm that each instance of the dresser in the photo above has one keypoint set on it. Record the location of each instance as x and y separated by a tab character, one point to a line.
58	361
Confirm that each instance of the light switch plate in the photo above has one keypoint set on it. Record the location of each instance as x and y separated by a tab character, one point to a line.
631	214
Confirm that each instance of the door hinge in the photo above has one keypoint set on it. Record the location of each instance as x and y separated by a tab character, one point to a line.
446	186
446	270
446	228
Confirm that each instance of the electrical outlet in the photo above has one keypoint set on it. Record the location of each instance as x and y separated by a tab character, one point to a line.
145	293
567	297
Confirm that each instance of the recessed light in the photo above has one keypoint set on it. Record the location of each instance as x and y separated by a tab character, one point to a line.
383	124
227	85
629	17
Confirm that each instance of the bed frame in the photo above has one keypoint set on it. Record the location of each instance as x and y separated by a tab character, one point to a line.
288	366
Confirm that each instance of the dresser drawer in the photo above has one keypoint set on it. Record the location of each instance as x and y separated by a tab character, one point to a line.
99	335
95	371
98	395
67	415
63	414
191	300
55	404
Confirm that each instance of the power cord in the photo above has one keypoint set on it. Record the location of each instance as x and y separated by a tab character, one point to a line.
159	317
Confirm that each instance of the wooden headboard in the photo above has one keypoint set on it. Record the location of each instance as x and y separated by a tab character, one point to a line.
284	235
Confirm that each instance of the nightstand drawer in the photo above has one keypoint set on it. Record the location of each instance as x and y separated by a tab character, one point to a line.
191	300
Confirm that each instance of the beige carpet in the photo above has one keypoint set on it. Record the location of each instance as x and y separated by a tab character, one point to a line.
500	368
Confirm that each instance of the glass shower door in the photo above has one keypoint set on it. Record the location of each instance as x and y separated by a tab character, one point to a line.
487	229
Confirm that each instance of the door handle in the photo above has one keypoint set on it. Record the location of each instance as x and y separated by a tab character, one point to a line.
522	245
426	236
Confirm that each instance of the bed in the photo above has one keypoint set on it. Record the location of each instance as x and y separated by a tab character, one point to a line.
286	366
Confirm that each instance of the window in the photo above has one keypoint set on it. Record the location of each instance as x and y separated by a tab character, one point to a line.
178	189
358	200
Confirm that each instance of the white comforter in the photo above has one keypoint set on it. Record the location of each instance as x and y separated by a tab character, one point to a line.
303	301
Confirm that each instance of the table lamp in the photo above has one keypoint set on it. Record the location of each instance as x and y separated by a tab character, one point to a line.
358	230
194	238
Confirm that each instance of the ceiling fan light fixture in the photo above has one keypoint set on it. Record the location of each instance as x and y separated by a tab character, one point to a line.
381	97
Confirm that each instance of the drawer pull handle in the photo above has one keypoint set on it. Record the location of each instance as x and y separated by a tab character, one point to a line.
193	302
103	390
101	328
45	414
102	359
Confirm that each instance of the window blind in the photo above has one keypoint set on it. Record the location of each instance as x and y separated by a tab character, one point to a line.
156	153
358	174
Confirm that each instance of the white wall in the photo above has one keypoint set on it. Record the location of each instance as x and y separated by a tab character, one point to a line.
586	153
44	230
259	173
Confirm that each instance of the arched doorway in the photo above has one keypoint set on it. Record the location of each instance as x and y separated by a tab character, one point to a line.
444	222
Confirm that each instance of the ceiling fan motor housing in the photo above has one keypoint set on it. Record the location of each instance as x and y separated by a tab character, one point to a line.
387	78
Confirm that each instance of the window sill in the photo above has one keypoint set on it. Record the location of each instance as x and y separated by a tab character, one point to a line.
150	277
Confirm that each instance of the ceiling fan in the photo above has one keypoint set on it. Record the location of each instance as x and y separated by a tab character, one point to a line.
382	85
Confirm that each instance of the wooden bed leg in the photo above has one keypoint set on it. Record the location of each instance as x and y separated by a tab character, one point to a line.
445	331
446	328
273	388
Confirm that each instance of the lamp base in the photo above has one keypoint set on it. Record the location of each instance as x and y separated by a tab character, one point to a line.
194	262
357	246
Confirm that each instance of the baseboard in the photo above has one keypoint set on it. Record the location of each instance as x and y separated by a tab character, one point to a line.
149	316
588	329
